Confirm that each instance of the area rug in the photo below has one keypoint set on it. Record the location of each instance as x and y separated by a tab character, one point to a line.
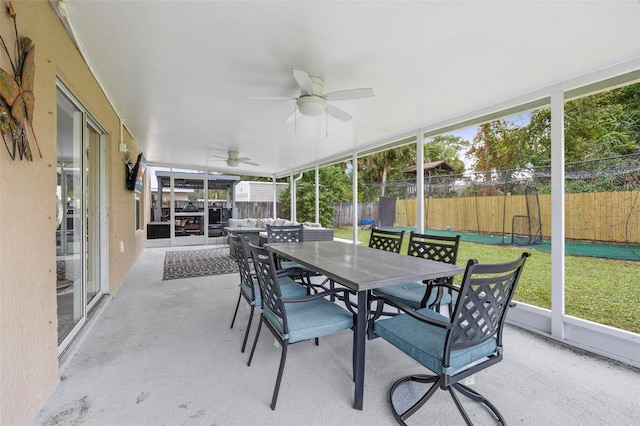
198	263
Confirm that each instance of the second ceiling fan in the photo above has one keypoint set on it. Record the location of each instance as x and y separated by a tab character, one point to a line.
312	101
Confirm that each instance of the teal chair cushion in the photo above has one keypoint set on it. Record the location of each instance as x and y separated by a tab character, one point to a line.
308	320
425	342
288	287
286	264
411	294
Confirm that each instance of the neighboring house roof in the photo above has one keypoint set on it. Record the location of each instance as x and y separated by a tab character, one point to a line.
441	166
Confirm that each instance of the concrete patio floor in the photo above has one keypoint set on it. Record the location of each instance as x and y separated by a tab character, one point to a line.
161	353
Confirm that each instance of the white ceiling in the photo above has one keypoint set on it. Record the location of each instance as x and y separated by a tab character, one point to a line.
179	72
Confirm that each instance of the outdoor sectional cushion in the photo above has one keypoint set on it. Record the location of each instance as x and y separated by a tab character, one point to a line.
308	320
425	342
237	223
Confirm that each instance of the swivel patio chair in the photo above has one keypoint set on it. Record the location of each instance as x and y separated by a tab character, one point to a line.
386	240
457	347
294	319
431	293
249	287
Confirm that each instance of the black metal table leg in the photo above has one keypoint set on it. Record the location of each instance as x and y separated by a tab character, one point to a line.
359	349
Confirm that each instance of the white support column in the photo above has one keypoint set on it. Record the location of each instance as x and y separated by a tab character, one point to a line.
557	216
317	194
205	210
157	217
275	199
354	181
292	198
172	207
294	191
420	182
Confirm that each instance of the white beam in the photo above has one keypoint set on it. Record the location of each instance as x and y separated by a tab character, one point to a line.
275	199
317	194
354	181
420	182
557	216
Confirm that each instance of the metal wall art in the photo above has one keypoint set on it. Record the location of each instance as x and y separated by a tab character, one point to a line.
16	96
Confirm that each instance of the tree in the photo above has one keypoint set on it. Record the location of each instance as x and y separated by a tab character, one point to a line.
605	124
334	186
498	146
447	148
386	165
601	125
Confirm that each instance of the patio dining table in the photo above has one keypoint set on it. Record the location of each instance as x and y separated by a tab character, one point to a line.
362	269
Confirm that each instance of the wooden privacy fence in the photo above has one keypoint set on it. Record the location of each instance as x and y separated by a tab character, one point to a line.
343	213
594	216
259	209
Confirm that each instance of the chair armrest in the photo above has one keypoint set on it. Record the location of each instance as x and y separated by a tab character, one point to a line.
407	310
290	272
445	284
330	292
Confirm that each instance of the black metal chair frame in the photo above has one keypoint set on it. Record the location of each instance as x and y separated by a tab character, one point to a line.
484	298
240	247
265	268
284	234
438	248
291	234
242	255
386	240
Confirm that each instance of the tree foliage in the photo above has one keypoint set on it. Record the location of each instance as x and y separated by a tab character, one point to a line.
498	146
447	148
375	170
385	166
334	186
602	125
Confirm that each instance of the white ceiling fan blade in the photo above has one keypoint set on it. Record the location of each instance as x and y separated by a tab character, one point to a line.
220	156
345	95
272	98
338	113
250	163
303	80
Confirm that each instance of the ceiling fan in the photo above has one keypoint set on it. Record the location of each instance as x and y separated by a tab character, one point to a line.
313	102
233	159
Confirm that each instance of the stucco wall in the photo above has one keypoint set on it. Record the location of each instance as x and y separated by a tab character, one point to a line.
28	318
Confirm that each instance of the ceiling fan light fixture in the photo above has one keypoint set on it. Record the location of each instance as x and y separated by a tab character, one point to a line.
311	105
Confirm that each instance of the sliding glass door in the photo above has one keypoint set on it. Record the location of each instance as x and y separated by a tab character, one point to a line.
80	193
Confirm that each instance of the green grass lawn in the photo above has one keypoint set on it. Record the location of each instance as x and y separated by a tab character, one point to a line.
599	290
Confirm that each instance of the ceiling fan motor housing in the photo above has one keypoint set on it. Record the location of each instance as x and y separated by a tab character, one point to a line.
311	105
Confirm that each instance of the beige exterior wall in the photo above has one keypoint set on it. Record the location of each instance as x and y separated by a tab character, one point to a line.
28	317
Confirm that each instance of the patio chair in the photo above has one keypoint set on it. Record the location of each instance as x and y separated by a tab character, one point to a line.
431	293
294	319
457	347
285	234
249	287
386	240
289	234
